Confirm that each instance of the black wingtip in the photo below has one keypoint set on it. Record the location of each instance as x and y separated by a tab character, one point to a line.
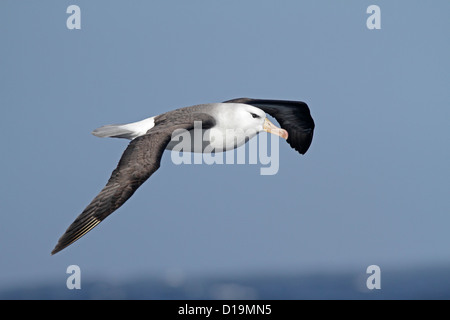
301	141
57	249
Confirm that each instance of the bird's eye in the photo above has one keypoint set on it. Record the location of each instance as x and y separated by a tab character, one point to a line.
254	115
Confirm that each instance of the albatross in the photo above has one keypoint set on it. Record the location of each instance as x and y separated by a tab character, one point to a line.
245	118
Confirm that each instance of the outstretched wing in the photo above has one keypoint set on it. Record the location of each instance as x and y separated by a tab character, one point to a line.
139	161
293	116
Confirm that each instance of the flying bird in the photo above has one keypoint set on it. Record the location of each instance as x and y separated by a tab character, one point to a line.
150	137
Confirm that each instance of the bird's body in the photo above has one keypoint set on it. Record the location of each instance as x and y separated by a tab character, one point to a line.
220	126
223	136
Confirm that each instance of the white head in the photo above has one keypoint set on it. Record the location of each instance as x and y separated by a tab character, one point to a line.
246	117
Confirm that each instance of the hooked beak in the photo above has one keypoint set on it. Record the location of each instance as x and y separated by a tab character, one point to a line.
271	128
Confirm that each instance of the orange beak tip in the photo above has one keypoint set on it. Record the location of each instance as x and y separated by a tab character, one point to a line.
271	128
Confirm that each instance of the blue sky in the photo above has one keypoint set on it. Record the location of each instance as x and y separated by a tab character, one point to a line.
372	189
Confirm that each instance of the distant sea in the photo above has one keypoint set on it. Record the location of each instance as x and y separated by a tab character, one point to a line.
425	283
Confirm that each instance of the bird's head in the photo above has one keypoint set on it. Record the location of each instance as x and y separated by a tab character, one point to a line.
253	118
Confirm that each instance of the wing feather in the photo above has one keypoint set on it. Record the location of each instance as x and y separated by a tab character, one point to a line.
140	160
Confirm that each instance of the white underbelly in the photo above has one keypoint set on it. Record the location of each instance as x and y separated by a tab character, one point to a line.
208	141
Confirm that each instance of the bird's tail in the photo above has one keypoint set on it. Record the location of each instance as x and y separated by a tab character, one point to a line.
125	131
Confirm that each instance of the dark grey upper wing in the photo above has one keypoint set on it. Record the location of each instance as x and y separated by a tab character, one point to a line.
139	161
293	116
